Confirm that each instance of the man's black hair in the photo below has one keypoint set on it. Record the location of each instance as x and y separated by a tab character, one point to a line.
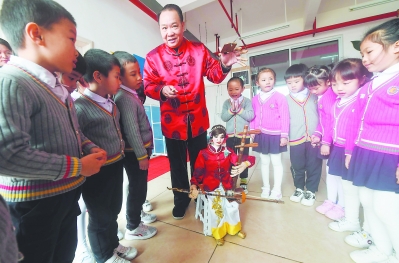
171	7
296	70
124	58
16	14
99	60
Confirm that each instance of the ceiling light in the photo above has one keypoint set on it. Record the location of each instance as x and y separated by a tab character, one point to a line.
369	4
267	30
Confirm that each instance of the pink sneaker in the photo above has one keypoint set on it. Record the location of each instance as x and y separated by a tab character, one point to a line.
335	213
325	207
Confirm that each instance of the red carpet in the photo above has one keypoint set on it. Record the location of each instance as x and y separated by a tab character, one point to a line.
158	166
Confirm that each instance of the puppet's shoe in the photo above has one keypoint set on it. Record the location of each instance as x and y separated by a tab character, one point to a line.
220	242
241	234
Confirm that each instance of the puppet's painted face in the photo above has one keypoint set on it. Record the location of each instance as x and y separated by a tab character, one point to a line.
217	140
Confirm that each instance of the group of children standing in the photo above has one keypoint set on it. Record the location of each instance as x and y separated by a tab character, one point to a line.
347	116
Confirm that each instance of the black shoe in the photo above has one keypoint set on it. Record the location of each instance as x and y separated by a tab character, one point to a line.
179	212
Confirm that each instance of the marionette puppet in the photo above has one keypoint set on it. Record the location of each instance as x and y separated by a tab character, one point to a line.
214	170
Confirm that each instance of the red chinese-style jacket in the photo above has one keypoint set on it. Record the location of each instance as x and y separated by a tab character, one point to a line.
213	167
184	70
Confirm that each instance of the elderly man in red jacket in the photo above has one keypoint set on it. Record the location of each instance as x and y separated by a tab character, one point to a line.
173	74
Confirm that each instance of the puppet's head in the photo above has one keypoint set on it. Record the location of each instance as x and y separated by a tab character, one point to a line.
217	135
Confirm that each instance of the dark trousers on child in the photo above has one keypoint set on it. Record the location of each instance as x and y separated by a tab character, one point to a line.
137	190
305	166
231	143
102	193
46	228
177	154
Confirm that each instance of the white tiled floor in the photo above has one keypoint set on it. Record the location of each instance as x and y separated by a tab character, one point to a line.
287	232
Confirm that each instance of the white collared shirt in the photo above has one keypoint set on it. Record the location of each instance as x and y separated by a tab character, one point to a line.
264	95
130	90
387	74
343	100
42	74
75	94
300	95
105	103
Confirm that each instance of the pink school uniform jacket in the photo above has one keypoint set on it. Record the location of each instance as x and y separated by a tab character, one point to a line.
374	124
324	107
272	115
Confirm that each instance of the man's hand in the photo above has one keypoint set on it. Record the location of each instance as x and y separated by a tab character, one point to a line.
193	192
325	149
144	164
236	170
348	160
283	141
169	92
233	57
92	163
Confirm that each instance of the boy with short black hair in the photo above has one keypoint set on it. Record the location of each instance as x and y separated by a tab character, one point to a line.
99	119
305	164
137	133
69	80
42	164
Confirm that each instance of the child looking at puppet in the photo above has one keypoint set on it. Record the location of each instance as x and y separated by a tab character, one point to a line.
346	79
5	52
42	165
99	119
372	143
137	133
272	119
237	112
317	81
212	174
305	164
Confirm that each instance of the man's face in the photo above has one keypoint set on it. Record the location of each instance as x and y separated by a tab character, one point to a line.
171	28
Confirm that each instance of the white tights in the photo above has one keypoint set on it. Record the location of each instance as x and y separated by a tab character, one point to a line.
277	168
335	189
382	211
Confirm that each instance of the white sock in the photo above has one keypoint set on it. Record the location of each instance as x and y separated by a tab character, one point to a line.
278	171
386	207
265	159
352	202
379	231
81	223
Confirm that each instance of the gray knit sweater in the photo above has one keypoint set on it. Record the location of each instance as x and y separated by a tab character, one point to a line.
40	139
8	242
235	121
304	118
101	127
136	129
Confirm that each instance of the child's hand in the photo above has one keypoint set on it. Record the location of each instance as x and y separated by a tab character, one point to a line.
98	150
348	160
315	140
193	192
325	150
144	164
397	175
283	141
252	137
92	163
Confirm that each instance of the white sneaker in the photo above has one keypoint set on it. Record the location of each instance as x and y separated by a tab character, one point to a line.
128	253
342	225
265	192
359	239
120	235
116	259
308	198
147	207
370	255
141	232
297	195
275	195
148	218
83	255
